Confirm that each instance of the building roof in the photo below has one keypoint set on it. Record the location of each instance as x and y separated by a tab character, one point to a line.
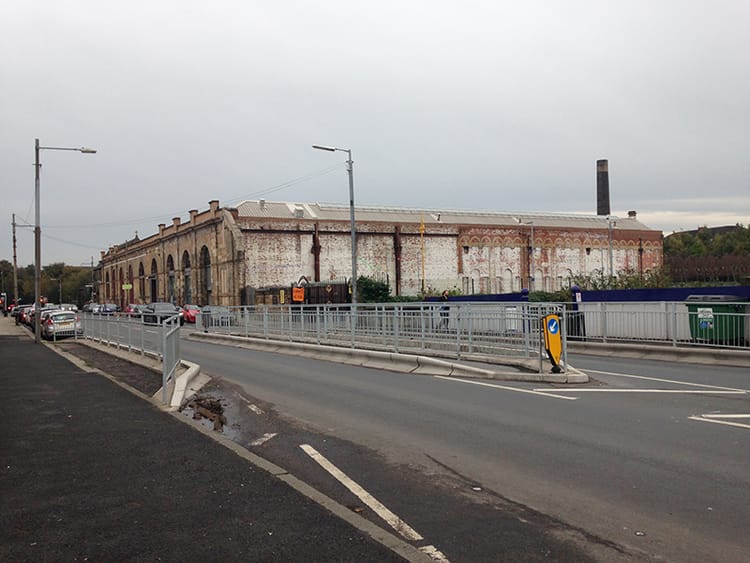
258	209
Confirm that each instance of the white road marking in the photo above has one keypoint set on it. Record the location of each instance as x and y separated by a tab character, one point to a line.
263	439
665	380
726	415
433	553
394	521
715	421
506	388
677	391
256	409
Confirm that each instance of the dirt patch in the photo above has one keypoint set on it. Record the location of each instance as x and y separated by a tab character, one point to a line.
209	408
141	378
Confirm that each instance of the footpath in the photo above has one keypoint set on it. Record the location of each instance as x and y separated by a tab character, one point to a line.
92	471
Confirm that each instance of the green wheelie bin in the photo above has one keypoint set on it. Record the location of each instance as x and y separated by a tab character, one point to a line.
717	319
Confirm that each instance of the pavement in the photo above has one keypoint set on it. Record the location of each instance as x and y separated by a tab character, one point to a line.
92	470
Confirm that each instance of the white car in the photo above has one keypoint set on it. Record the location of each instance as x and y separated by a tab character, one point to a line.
57	324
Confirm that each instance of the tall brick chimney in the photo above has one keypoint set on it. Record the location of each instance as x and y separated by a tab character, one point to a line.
602	187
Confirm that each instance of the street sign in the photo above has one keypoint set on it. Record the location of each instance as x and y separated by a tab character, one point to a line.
552	340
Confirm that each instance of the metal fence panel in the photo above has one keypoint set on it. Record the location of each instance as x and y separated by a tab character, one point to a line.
131	333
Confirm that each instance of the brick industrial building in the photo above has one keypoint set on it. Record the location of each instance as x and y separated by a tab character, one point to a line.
224	255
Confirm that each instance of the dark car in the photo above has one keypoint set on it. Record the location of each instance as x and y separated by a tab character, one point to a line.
156	313
108	309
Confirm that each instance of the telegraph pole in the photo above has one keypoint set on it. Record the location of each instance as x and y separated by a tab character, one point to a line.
15	266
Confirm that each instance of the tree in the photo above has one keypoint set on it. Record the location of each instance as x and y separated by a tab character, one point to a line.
372	291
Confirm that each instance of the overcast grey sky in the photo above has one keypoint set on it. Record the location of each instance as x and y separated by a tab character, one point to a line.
494	105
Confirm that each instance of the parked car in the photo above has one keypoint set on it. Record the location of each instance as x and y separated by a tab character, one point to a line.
91	308
43	312
156	313
108	309
24	314
134	309
59	323
189	312
216	315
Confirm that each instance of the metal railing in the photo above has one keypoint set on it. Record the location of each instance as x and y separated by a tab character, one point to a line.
486	328
720	325
129	332
461	331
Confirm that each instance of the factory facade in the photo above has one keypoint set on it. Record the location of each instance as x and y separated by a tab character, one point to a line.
224	255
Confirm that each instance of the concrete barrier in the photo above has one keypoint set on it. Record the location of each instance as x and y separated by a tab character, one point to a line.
401	363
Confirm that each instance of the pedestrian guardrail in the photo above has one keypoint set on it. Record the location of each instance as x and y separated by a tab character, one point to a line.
464	330
130	333
692	323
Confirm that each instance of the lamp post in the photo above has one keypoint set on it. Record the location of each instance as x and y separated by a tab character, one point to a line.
350	171
91	285
38	230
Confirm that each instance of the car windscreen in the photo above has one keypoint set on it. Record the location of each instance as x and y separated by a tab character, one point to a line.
58	317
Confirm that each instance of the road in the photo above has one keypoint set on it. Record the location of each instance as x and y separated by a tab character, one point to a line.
648	461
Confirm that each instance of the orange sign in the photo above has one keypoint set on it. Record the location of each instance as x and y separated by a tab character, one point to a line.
298	294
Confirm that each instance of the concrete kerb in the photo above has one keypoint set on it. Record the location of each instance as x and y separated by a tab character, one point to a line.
187	380
677	354
403	363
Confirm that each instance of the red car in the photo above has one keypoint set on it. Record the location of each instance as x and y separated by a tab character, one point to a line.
189	312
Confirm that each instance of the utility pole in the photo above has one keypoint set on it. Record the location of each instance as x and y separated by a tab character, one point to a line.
92	279
15	266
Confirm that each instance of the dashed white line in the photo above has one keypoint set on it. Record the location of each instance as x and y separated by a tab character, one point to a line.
659	379
263	439
379	508
717	421
255	408
677	391
529	391
433	553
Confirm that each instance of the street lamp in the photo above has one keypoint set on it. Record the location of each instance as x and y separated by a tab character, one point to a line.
38	230
90	285
350	171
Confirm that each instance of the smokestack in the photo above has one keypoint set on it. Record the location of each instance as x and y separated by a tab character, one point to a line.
602	187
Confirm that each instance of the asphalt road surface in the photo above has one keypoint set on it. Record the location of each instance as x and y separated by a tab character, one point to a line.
649	461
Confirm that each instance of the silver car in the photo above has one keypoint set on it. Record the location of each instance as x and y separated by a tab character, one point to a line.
57	324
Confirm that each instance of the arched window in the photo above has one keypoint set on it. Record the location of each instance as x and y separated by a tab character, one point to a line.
142	282
186	280
508	286
170	279
129	293
154	282
120	289
204	280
